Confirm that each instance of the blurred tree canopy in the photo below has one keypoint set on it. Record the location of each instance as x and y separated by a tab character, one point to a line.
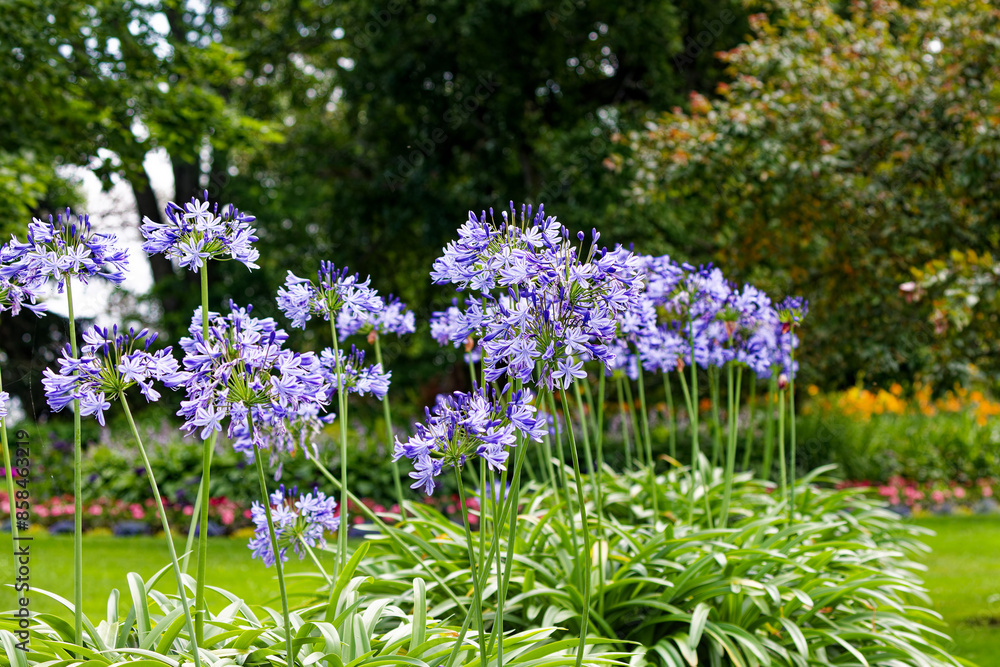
361	132
853	144
824	148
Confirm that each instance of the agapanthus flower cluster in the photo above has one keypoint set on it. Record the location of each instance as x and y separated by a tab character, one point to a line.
62	248
4	400
298	524
197	232
544	299
336	292
687	309
109	364
21	283
283	433
444	324
394	317
466	425
240	366
357	378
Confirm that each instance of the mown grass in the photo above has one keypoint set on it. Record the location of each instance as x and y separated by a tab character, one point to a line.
963	578
108	559
963	575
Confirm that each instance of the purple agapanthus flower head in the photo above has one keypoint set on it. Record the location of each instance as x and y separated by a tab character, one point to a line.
298	523
336	292
4	400
357	377
198	232
465	425
21	282
394	317
64	247
111	361
240	370
543	299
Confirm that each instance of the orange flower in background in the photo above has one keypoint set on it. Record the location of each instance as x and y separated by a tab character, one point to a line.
865	403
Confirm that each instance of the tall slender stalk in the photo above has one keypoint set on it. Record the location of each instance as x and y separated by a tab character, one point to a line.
561	465
600	499
342	419
624	419
649	443
204	493
584	563
732	419
630	407
781	445
166	530
477	587
8	472
389	439
693	407
751	410
597	493
77	483
671	415
791	424
713	391
278	565
772	399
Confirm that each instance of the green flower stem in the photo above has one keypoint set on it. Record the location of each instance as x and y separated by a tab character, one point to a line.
166	530
599	434
342	418
477	587
389	438
781	445
77	483
584	563
589	396
629	406
791	425
732	418
597	503
713	390
189	543
204	492
278	565
772	395
626	439
561	466
751	410
649	444
319	566
671	415
8	472
386	529
694	447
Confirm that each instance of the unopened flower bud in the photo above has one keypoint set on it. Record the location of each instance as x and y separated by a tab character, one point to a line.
783	381
469	344
372	335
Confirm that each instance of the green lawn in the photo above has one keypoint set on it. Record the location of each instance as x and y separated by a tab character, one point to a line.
108	559
964	581
963	575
